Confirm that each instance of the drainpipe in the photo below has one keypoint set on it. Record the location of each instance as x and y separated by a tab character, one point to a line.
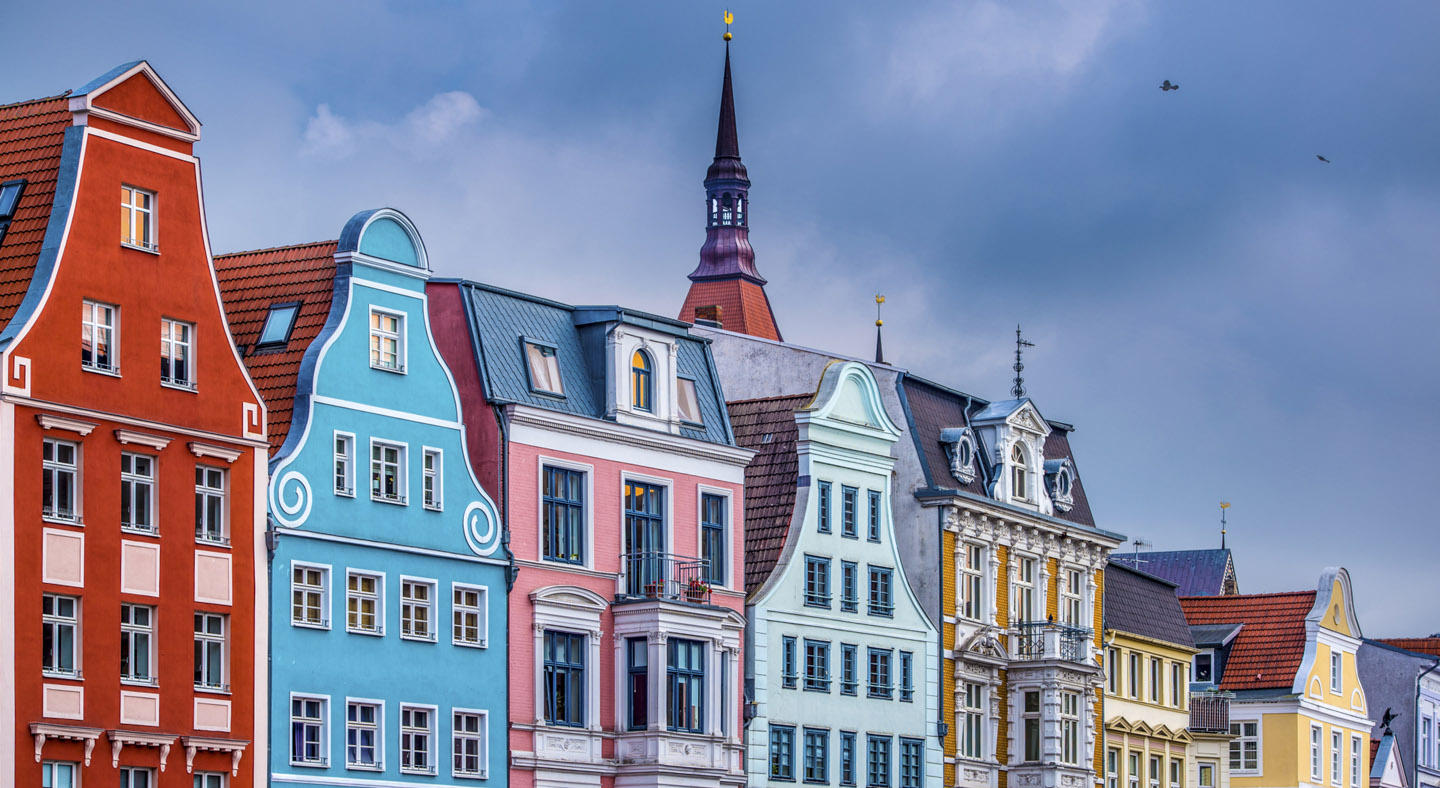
1415	715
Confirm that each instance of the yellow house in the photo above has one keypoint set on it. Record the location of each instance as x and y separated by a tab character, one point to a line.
1298	713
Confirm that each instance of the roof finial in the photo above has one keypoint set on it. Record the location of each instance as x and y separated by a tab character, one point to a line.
1223	506
879	349
729	17
1018	390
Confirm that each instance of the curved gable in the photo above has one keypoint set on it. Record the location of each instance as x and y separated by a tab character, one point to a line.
848	393
385	235
1334	607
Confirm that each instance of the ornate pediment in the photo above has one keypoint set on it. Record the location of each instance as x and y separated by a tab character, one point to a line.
1028	419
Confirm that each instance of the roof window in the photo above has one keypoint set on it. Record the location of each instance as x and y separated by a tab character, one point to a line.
9	201
278	324
543	364
689	402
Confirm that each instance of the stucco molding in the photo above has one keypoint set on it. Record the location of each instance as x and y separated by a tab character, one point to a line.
50	421
206	450
130	436
42	732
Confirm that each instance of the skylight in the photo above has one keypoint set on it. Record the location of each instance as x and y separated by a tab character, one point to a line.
277	325
544	366
689	402
10	198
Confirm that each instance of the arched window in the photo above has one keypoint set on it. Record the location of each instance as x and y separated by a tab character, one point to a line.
640	381
727	210
740	210
1019	473
714	211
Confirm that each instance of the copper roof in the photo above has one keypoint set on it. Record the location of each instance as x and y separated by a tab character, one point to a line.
250	283
32	134
767	426
1269	649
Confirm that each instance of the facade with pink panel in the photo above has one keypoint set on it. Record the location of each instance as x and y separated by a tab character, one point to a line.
603	433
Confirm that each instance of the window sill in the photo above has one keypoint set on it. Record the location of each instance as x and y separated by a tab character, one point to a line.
179	386
316	764
419	639
50	518
421	772
113	372
74	676
220	542
213	689
150	249
374	633
395	371
348	492
396	501
131	682
470	775
434	507
365	767
323	625
463	644
135	531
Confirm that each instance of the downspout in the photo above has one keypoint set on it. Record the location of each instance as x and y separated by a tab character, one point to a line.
1415	767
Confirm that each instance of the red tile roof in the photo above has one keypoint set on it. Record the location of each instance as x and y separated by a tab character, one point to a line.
32	134
1430	645
250	282
744	307
767	426
1268	651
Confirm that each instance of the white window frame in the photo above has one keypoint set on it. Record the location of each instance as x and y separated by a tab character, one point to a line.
482	611
323	722
378	727
586	516
1156	764
1133	675
1337	751
129	204
1240	740
77	487
974	722
224	640
134	480
402	481
1112	670
76	649
211	779
129	773
90	311
1070	743
1020	475
1157	680
1135	764
1355	750
1177	770
380	335
430	732
972	581
53	768
1179	685
408	606
344	478
168	340
223	491
1112	767
1202	770
146	630
324	590
1025	608
432	479
1337	674
482	737
1195	665
1317	755
1072	601
700	492
378	597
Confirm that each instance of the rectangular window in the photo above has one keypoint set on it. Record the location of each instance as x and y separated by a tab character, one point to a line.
1155	766
1156	691
1245	747
639	689
1112	768
432	479
1203	667
849	587
712	537
686	674
1316	762
646	562
1337	751
1207	775
563	499
972	720
1133	776
1025	597
1134	675
59	645
972	582
469	624
362	736
817	665
307	731
782	752
1112	671
848	504
1335	674
824	518
688	401
880	686
788	675
209	780
210	505
177	353
54	774
137	218
344	464
417	609
873	525
849	669
912	763
880	600
1355	761
99	341
275	333
309	592
1426	747
136	777
564	669
1178	684
847	757
1032	726
417	733
363	603
1070	727
1072	598
210	652
387	341
878	764
60	482
137	493
817	582
468	735
544	366
387	472
817	756
907	676
137	643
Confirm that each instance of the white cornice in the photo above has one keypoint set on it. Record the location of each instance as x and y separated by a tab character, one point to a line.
50	421
120	419
153	441
1005	514
638	437
218	452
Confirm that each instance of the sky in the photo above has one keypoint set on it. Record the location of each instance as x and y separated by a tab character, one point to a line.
1222	315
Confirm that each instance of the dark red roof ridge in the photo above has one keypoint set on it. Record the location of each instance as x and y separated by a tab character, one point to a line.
1247	596
285	248
775	398
15	104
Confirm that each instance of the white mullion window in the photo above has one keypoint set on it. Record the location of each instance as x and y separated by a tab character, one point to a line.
177	353
1070	727
60	485
364	735
1072	598
417	609
60	646
470	731
387	340
137	493
310	596
100	337
972	737
432	474
137	644
387	472
972	582
210	652
417	739
137	218
1337	751
470	623
309	739
1316	761
1245	747
345	464
210	779
364	603
1025	590
1355	761
136	777
210	505
1157	673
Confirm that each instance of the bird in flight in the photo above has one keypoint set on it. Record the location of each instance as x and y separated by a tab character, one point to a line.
1322	158
1168	86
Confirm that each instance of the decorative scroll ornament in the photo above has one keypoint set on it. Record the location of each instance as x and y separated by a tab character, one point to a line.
292	500
479	529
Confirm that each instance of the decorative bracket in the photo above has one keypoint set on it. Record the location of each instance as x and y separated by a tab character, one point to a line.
43	732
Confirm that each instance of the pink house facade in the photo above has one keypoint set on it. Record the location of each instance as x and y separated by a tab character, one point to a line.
604	435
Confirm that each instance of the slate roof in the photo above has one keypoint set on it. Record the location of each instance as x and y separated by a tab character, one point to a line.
1214	635
1144	605
767	427
1268	651
32	134
504	318
1428	645
250	282
1196	572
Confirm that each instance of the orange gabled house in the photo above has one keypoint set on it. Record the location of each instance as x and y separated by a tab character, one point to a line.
132	456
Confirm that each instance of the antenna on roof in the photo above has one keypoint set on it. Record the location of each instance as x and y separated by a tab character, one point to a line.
1223	506
879	349
1018	390
1139	543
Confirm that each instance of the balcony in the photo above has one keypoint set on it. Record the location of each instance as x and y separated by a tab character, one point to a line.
1210	712
1047	640
666	576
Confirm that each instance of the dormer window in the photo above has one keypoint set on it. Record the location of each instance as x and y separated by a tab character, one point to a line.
544	366
1060	478
960	447
689	402
1019	473
137	218
641	382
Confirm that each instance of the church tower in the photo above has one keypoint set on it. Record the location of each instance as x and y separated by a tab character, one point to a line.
726	287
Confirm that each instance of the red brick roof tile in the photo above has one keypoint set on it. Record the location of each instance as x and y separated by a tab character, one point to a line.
250	282
1430	645
744	307
1269	649
32	134
767	426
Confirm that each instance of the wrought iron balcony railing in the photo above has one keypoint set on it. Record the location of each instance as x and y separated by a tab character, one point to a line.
1037	640
1210	712
665	576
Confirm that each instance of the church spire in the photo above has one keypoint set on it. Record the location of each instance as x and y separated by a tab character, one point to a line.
727	277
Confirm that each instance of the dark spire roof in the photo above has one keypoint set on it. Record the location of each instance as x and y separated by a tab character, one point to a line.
727	141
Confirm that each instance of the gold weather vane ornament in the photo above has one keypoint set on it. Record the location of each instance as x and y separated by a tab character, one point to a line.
1223	506
879	348
729	17
879	299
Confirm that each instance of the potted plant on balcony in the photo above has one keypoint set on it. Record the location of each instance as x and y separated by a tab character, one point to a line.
697	590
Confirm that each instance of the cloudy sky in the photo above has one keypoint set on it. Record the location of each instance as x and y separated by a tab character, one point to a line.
1222	315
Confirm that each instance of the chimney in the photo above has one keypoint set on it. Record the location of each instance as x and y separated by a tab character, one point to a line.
708	315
